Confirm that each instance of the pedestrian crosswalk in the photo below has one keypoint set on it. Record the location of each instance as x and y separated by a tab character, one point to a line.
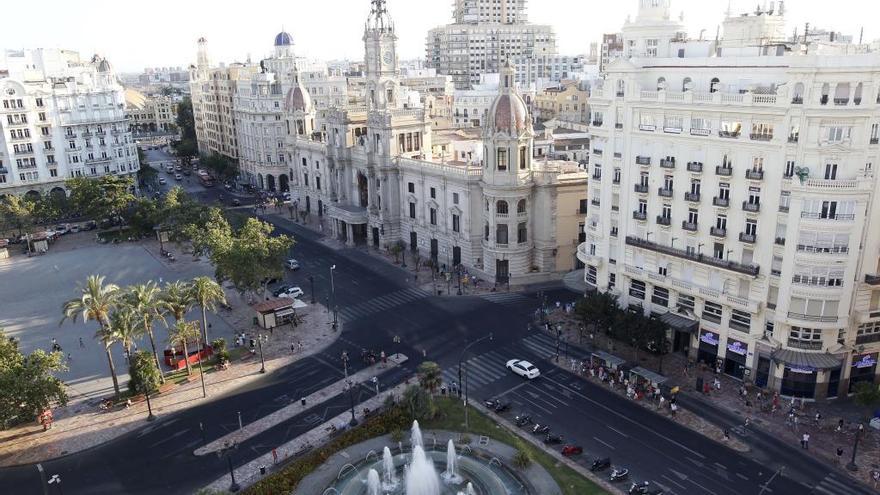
506	298
481	370
382	303
832	485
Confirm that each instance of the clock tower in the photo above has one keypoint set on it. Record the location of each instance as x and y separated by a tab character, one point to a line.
380	58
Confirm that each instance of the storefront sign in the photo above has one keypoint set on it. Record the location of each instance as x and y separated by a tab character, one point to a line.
866	361
737	347
709	338
807	370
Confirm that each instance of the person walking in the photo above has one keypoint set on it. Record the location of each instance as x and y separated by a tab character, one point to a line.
805	441
839	454
82	345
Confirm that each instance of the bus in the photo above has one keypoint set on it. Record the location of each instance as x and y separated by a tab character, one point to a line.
205	179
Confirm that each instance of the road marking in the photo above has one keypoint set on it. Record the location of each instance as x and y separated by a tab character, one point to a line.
603	443
624	435
670	480
742	476
706	490
527	400
722	466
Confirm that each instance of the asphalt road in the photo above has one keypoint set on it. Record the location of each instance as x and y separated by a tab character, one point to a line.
377	302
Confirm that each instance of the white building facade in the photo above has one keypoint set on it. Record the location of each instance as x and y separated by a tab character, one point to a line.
732	197
61	117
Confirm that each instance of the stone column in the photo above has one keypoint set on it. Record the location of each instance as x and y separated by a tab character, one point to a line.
349	235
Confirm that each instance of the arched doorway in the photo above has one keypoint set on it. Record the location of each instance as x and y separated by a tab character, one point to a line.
32	195
270	182
283	183
58	191
308	204
260	181
363	190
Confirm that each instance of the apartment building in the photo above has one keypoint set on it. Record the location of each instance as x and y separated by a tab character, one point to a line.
146	114
732	188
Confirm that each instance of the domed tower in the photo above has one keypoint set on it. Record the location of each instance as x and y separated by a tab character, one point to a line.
203	61
507	182
299	108
380	58
283	45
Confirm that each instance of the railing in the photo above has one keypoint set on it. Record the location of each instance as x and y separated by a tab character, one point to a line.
718	232
805	345
643	160
754	174
823	100
594	201
666	193
619	94
801	316
803	248
841	101
749	238
779	241
797	100
700	132
665	163
25	152
640	215
661	220
597	176
751	207
691	226
729	134
868	338
641	188
615	180
874	140
613	232
618	154
792	139
694	167
672	130
597	151
647	127
722	202
726	171
752	270
760	137
597	123
783	208
827	216
692	197
618	126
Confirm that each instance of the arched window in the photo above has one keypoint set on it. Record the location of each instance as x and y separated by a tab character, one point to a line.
841	94
713	85
501	208
620	86
857	97
521	206
486	232
686	84
825	90
661	83
798	96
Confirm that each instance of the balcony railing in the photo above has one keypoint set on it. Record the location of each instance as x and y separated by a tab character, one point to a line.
801	316
804	344
700	132
693	197
792	139
595	202
823	100
760	137
643	160
872	279
722	202
597	151
749	238
618	126
694	167
828	216
718	232
752	270
641	188
665	163
725	171
874	140
868	338
798	100
661	220
615	180
663	192
691	226
755	174
751	207
780	241
841	101
597	176
597	123
640	215
729	134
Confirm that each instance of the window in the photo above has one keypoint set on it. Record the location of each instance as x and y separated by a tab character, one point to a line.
501	234
712	312
306	179
612	280
502	159
810	338
685	302
521	233
433	216
693	216
456	224
501	208
433	193
523	158
637	289
412	210
660	296
714	84
411	187
455	198
819	276
740	320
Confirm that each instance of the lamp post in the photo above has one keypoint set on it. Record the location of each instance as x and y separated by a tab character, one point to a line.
345	363
312	282
460	381
262	359
150	415
333	296
458	276
201	372
852	463
227	449
350	388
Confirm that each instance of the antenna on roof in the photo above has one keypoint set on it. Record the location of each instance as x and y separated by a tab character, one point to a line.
861	34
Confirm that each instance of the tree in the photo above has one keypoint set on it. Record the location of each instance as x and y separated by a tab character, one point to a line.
207	293
657	339
429	375
95	303
395	249
867	394
125	328
103	197
222	166
419	401
144	301
185	119
599	309
220	351
50	207
28	382
16	213
177	299
143	215
145	377
180	334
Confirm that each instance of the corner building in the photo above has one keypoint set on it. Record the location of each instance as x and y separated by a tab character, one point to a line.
733	198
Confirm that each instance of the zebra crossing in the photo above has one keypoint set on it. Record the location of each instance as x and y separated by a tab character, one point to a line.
831	485
481	370
506	298
382	303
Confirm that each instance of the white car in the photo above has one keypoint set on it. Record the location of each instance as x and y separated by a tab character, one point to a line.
292	293
292	264
522	368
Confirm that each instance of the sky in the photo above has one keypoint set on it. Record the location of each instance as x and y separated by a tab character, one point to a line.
162	33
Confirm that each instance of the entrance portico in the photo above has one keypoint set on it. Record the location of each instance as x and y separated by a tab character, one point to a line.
349	223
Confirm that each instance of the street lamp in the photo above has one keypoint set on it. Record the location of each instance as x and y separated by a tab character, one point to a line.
201	372
345	363
227	449
260	338
852	463
350	388
312	282
460	381
333	295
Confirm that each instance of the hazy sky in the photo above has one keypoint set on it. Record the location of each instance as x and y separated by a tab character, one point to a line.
134	35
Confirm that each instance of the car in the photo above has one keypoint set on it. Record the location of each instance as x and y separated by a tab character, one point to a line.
291	292
227	186
74	228
279	290
162	181
178	177
292	264
187	171
62	229
523	368
90	225
236	202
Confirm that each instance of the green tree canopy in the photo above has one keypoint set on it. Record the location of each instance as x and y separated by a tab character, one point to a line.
185	120
17	213
145	376
429	375
28	382
100	198
600	309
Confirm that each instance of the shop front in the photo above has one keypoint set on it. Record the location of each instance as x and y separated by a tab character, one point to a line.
798	381
683	330
707	351
805	374
735	359
862	370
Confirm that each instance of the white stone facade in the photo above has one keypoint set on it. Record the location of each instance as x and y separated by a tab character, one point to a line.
733	194
61	117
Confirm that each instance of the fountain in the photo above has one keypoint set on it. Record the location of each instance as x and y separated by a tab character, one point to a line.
421	478
373	484
416	436
389	481
450	476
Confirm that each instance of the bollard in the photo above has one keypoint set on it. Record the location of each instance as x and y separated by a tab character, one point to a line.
262	470
302	401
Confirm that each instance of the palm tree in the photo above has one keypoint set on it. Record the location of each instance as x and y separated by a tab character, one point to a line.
143	300
179	334
177	299
429	375
124	328
206	293
96	301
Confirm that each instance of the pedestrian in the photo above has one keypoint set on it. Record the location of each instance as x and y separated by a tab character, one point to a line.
817	418
384	358
839	454
805	441
662	402
424	352
672	408
69	358
727	434
82	345
795	420
840	425
717	384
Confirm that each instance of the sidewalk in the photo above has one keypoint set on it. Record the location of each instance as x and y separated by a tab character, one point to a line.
81	424
753	405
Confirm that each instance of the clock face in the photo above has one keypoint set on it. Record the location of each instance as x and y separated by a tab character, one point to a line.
387	58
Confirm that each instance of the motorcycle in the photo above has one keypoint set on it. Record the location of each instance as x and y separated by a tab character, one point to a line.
490	403
639	488
501	406
539	429
600	464
570	450
551	439
619	474
523	420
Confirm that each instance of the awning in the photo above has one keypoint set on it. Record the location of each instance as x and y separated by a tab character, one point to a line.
284	312
680	323
610	359
649	375
801	359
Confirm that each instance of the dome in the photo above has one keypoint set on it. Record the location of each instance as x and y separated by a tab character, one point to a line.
508	114
298	100
283	39
202	40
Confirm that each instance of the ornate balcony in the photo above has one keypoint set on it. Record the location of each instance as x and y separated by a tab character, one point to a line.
640	215
749	238
692	197
751	207
718	232
752	270
755	174
724	170
661	220
667	163
695	167
729	134
691	226
872	279
761	137
643	160
641	188
720	202
663	192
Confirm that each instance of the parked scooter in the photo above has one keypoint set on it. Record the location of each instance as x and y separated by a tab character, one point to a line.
523	419
551	439
600	464
619	474
540	429
639	488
